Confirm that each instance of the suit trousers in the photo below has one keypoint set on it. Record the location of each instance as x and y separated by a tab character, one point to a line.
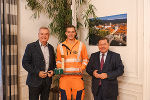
100	96
42	91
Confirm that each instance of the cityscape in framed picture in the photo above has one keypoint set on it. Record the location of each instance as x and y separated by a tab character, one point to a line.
113	27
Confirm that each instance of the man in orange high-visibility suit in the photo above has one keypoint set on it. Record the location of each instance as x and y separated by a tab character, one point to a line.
72	55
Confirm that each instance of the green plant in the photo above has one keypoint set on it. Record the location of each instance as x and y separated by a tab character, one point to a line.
59	11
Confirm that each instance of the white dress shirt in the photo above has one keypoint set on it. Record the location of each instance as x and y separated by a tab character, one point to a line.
45	52
105	55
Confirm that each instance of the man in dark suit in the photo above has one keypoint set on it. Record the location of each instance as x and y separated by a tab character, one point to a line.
39	62
104	67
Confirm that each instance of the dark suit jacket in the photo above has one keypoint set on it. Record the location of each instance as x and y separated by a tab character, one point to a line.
113	67
33	62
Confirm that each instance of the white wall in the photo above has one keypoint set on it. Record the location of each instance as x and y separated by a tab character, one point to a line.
131	83
146	83
28	32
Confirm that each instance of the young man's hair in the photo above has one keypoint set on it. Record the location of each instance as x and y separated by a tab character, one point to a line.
104	38
71	26
43	27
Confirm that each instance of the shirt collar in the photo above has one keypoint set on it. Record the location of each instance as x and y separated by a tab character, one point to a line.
105	54
42	45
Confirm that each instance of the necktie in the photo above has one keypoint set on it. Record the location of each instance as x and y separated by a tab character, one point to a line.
102	62
101	66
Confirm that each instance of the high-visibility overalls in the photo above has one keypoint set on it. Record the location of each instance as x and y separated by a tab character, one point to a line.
75	60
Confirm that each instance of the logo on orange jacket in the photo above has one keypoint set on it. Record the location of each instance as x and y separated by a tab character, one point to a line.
75	52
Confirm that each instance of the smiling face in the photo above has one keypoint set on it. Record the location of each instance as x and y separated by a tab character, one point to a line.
43	36
103	46
70	33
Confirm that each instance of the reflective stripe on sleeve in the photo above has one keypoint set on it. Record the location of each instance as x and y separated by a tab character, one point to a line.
84	63
58	62
61	49
72	69
72	60
85	60
79	51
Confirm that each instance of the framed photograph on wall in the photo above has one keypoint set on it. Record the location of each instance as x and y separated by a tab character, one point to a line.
113	27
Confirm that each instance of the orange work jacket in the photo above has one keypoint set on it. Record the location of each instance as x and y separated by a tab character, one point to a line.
73	57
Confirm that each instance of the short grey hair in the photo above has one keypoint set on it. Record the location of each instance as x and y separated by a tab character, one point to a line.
43	27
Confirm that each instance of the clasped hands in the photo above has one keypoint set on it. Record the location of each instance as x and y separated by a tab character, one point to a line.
43	74
101	76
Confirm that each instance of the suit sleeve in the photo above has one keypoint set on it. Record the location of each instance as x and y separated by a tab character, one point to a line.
90	66
27	62
119	68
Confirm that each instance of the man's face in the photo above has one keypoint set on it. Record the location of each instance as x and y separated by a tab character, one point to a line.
70	33
103	46
43	35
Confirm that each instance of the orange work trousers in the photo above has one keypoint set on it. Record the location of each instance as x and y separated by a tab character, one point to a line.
71	86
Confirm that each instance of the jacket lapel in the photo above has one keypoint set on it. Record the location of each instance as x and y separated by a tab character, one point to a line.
39	49
98	62
107	60
50	58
